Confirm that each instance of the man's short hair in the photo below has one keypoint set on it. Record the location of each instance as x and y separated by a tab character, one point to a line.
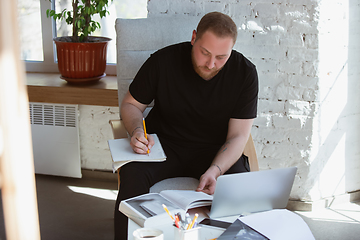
218	23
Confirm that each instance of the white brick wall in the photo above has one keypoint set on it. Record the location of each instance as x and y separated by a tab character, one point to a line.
94	133
293	44
307	54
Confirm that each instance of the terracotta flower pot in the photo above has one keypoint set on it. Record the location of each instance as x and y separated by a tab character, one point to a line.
81	61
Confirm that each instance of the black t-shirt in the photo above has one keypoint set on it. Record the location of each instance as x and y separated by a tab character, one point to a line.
189	109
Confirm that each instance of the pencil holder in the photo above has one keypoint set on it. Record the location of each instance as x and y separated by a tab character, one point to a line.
191	234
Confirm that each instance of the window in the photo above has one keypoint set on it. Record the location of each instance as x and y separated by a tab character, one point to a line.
30	32
37	31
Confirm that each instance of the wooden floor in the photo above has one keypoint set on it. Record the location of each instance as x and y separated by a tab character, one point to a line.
83	209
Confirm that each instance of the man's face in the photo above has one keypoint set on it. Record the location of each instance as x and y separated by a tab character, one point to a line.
210	53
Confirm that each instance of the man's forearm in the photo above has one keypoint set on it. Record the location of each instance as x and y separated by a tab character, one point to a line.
131	117
229	153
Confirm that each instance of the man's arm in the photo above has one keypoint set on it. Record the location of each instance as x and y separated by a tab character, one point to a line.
229	153
131	112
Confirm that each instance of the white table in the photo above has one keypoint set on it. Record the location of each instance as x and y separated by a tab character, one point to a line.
278	224
168	230
206	233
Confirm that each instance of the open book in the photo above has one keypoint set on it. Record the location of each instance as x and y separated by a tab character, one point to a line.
147	209
122	153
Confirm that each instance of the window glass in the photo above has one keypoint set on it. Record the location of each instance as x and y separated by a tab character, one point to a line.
62	28
30	30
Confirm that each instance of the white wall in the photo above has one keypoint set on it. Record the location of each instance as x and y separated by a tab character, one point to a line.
307	56
334	158
94	132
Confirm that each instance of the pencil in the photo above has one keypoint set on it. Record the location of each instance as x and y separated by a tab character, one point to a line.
167	210
145	133
193	222
177	221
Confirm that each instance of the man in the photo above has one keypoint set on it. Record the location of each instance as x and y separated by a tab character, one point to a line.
205	101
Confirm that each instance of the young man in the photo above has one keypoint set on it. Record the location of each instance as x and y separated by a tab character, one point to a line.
205	101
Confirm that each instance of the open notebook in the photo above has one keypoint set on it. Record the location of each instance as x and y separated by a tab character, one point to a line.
122	153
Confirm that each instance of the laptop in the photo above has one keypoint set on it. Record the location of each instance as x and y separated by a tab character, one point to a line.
250	192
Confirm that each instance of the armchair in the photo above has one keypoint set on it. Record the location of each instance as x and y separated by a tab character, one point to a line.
136	40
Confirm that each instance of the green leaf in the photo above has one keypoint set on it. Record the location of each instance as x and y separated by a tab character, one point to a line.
63	13
52	13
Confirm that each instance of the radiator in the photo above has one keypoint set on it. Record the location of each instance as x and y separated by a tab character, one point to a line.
55	138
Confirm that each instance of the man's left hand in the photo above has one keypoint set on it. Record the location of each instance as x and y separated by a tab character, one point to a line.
207	182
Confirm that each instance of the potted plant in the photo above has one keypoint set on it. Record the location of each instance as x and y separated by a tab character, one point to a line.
81	57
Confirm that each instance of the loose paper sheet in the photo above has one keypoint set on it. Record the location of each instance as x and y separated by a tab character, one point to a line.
279	224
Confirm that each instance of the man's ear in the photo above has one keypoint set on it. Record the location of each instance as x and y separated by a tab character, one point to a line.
193	37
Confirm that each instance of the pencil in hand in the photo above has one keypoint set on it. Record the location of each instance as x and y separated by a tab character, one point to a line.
145	133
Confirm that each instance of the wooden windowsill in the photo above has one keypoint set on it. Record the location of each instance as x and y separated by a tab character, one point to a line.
50	88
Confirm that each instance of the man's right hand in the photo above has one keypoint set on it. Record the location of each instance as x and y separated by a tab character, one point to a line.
139	143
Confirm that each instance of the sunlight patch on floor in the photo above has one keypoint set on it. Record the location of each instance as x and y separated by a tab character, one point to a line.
343	213
95	192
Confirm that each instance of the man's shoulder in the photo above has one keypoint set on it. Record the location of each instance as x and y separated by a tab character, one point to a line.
239	59
177	48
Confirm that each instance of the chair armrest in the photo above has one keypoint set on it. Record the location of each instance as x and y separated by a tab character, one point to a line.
250	152
118	129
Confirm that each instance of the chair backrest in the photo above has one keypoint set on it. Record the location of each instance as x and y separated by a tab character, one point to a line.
136	39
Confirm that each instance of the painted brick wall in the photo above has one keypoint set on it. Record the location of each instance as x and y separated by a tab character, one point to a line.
307	53
289	41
